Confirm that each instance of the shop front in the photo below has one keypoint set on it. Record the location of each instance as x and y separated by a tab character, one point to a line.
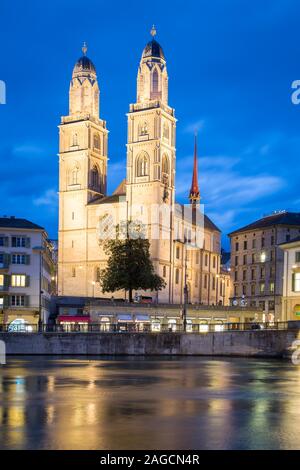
142	323
74	323
125	322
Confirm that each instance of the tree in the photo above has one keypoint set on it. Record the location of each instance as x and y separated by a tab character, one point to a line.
129	266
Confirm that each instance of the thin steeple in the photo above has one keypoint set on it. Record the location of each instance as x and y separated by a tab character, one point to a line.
194	196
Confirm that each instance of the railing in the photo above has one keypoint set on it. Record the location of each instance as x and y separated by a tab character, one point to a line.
120	328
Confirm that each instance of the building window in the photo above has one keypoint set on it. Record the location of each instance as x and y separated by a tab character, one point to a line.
297	257
244	290
97	274
263	242
142	165
296	282
205	281
18	280
177	276
155	81
73	272
206	260
237	246
245	259
244	275
235	275
236	260
19	242
196	280
19	259
287	237
252	274
235	291
253	258
17	300
272	240
164	271
263	257
177	252
166	131
253	289
197	257
165	165
1	280
262	273
214	262
97	142
143	129
272	286
262	304
245	245
74	176
271	305
95	180
254	243
262	288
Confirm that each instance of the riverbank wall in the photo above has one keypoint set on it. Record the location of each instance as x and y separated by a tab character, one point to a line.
256	343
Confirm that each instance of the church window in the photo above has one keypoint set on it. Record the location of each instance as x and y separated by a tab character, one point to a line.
95	180
75	139
97	142
165	165
166	131
142	167
155	81
205	281
164	271
143	129
177	276
177	252
74	175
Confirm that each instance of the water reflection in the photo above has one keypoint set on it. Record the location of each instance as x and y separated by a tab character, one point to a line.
134	403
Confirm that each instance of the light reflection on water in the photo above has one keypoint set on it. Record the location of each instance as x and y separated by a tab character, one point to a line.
149	403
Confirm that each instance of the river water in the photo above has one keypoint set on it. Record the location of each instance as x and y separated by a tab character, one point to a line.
149	403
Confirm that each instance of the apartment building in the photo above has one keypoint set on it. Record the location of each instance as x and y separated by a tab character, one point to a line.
26	272
291	280
257	262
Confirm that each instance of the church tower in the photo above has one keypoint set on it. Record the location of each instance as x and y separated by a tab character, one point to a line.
150	181
82	170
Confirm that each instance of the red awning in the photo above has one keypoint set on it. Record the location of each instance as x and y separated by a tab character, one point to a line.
74	318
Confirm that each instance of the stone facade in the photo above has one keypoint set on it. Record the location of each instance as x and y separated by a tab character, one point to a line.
291	280
147	195
257	262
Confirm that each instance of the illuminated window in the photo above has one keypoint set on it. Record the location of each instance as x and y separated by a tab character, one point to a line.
296	282
1	280
18	280
142	165
262	288
263	257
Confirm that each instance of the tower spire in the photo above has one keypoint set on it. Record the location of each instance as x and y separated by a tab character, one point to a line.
84	48
194	196
153	31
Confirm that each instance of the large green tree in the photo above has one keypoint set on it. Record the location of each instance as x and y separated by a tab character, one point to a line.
129	266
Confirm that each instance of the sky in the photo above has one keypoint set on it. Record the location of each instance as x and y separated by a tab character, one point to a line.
230	63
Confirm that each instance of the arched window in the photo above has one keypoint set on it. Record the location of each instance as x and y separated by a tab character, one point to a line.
143	128
74	139
142	165
165	165
166	131
95	179
74	175
155	81
97	142
177	276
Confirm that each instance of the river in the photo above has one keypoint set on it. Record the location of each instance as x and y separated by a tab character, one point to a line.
149	403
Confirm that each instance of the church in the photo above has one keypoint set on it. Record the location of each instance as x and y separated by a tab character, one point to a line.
184	243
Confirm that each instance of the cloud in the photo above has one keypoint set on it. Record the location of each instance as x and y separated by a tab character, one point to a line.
226	191
49	198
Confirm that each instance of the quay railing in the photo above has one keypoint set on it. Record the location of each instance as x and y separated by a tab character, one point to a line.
124	328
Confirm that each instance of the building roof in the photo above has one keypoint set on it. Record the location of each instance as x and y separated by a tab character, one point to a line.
281	218
194	191
291	243
153	49
208	223
84	64
106	199
13	222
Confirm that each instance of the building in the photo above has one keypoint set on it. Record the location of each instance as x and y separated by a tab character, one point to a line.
257	261
291	280
146	196
25	272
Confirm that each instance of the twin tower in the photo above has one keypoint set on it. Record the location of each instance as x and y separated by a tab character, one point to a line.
150	172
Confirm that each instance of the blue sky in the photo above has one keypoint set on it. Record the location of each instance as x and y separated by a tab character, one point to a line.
230	63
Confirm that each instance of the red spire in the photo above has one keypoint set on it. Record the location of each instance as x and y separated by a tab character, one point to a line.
194	191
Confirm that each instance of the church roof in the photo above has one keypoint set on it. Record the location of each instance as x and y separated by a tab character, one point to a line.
281	218
207	222
153	49
194	191
105	200
121	189
84	64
